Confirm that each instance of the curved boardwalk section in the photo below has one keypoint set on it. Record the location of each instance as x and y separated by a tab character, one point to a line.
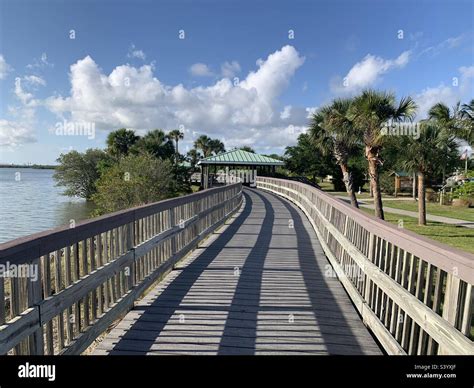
259	285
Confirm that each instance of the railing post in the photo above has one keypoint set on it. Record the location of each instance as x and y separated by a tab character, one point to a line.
451	303
370	256
36	343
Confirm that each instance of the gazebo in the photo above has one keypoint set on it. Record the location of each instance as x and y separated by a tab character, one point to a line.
237	163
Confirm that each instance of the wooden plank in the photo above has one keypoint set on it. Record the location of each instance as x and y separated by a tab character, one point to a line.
243	322
68	276
18	329
36	340
57	288
51	306
124	302
46	271
2	301
450	337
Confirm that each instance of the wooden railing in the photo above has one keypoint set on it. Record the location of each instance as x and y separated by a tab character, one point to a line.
413	293
72	283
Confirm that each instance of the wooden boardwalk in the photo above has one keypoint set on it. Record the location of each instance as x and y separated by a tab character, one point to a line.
258	285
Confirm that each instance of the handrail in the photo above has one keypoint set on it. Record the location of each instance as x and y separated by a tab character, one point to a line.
414	294
72	283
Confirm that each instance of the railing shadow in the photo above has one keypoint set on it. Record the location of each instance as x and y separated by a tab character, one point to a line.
232	328
173	295
329	316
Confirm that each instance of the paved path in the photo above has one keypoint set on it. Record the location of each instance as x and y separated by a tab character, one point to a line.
256	286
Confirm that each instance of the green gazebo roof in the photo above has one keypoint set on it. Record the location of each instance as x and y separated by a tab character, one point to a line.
240	157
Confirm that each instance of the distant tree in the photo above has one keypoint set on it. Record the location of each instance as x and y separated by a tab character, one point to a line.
120	141
204	144
451	122
156	143
467	114
78	172
134	180
209	146
217	146
193	157
421	155
304	159
176	135
247	148
275	156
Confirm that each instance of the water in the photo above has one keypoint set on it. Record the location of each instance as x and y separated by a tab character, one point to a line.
33	203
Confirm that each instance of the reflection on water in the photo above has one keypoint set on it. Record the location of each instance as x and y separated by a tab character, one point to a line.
30	202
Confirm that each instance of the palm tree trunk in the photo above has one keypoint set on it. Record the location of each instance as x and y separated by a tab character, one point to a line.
176	155
374	180
348	182
421	199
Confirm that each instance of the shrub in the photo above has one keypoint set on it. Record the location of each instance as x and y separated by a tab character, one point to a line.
134	180
387	183
465	192
78	172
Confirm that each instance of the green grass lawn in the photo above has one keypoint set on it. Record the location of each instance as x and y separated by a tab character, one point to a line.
455	236
329	187
466	214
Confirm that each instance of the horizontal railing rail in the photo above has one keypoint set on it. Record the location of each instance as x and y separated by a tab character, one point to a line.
60	289
413	293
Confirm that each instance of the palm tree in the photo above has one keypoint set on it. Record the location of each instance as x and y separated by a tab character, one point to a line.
369	112
453	122
421	155
217	146
467	114
156	143
176	135
120	141
333	133
247	149
193	157
203	143
457	120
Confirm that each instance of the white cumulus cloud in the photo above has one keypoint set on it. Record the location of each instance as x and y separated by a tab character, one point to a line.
135	98
200	70
230	69
460	90
5	68
14	133
133	52
367	72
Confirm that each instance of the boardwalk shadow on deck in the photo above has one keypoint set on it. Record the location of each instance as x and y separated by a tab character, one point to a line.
181	285
333	331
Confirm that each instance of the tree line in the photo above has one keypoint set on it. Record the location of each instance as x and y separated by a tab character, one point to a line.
353	134
133	169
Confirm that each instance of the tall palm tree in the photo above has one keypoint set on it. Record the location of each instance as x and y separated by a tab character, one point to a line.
332	133
467	114
421	155
120	141
157	143
217	146
370	111
203	143
459	120
453	122
176	135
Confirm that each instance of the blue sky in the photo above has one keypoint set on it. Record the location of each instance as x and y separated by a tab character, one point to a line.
239	74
